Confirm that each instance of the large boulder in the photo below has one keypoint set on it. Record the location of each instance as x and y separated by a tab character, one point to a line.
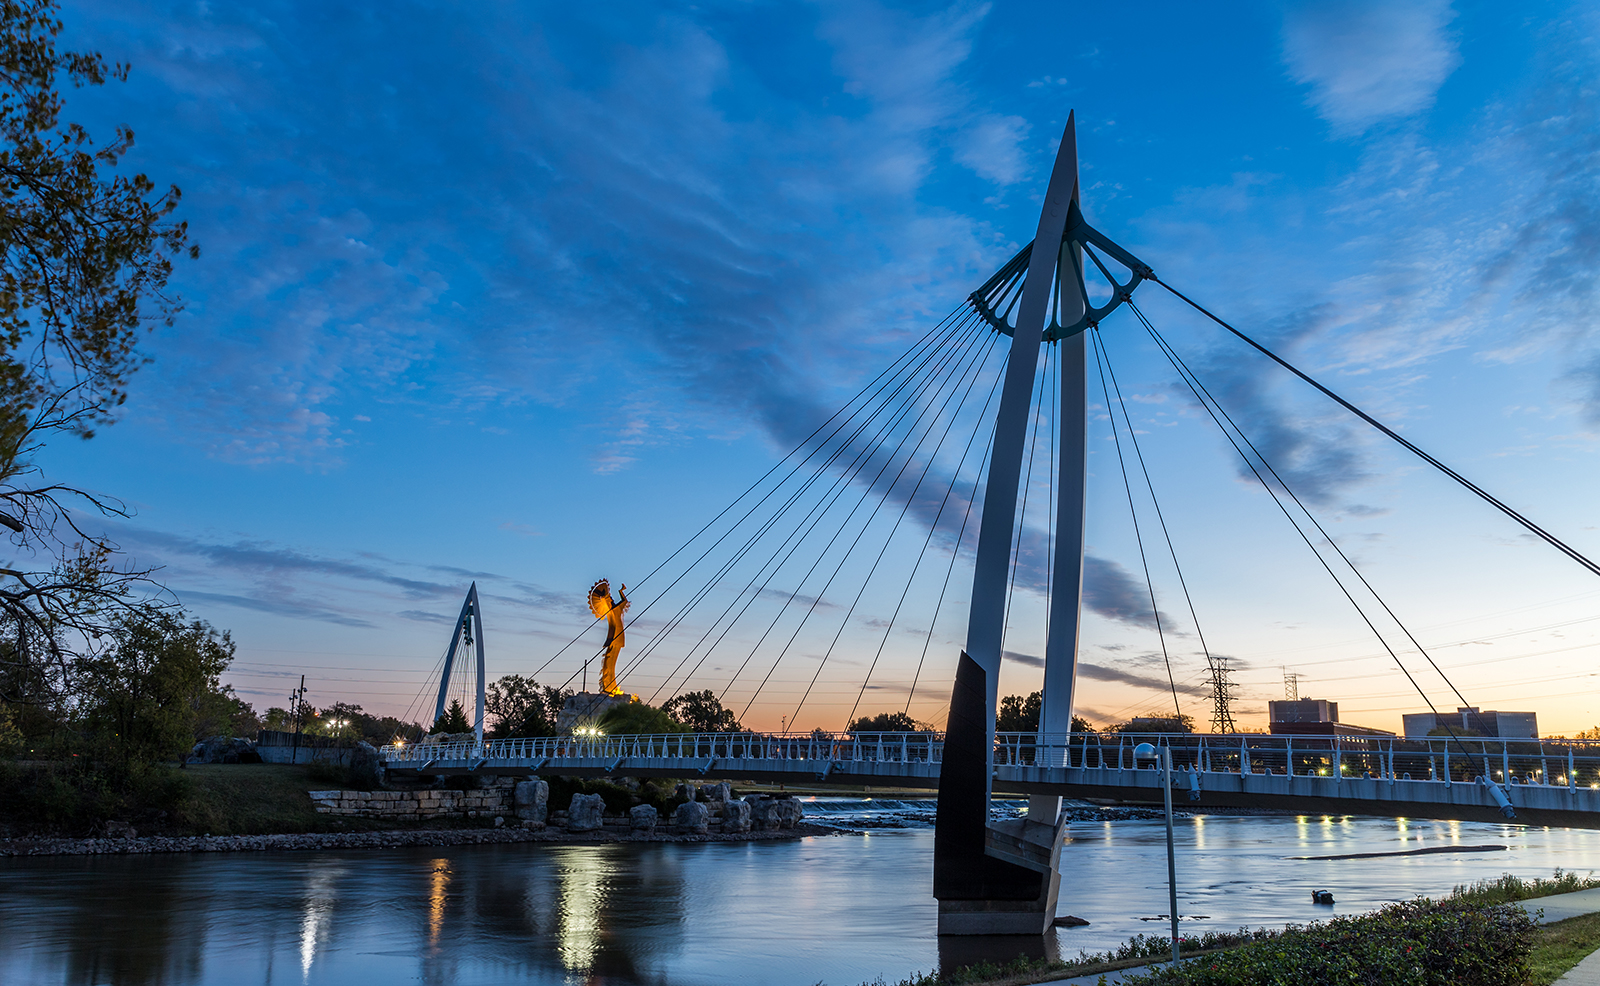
762	817
366	765
736	816
692	818
224	749
586	813
715	792
770	814
788	811
531	800
642	818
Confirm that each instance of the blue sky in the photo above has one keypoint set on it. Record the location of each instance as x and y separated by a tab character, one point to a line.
524	293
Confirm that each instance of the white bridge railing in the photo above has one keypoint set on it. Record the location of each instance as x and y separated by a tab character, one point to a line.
1549	762
819	747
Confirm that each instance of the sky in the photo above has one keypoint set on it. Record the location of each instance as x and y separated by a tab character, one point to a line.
524	294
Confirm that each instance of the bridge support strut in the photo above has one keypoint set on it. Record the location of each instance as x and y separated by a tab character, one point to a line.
1003	878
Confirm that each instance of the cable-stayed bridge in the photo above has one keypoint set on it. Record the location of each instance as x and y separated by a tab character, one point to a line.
1554	782
949	452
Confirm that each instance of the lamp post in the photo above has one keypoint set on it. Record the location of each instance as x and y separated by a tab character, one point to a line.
1163	754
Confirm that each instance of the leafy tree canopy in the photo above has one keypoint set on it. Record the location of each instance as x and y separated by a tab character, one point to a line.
1156	724
701	712
141	697
518	706
637	717
85	255
454	720
889	722
1019	713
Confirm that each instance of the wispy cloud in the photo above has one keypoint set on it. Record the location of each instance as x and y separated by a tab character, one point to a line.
349	263
1368	61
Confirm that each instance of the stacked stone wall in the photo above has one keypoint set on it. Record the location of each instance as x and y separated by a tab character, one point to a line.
484	803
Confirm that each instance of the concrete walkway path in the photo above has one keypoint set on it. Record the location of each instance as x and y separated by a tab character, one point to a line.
1556	908
1585	973
1563	906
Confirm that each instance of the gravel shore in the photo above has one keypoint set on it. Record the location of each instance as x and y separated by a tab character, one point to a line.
369	840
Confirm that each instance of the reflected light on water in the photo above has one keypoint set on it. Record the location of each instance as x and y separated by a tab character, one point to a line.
318	904
583	881
438	881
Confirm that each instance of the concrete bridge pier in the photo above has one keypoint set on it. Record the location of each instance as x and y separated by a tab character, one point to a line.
1000	878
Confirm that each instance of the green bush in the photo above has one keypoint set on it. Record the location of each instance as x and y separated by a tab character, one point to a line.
76	797
1419	943
618	799
1508	888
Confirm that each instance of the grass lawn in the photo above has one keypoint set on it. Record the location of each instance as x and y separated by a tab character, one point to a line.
1561	946
256	799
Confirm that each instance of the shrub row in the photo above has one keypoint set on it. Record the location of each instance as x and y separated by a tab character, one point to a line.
1418	943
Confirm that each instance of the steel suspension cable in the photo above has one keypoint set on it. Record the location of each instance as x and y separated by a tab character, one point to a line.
956	339
800	585
1483	494
978	355
1198	388
1138	537
866	491
1154	500
1316	523
955	478
955	552
972	379
959	314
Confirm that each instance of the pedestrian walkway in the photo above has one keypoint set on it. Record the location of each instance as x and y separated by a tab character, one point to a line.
1111	978
1585	973
1562	906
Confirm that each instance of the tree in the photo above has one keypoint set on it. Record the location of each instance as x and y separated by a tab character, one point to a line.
1155	724
85	256
340	721
701	712
139	698
1589	734
454	720
519	706
888	722
1082	725
1019	714
638	718
224	713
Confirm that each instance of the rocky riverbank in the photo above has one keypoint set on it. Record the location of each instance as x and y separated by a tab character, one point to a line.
395	839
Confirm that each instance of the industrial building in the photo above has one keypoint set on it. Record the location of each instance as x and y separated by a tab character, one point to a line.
1313	717
1502	725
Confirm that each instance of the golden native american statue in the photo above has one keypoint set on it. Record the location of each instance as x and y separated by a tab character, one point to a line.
601	605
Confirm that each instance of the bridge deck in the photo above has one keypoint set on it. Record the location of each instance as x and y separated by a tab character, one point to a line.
1316	775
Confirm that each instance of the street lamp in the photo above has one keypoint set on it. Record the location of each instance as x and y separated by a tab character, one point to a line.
1163	754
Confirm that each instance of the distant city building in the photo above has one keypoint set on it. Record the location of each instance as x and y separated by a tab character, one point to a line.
1313	717
1303	710
1503	725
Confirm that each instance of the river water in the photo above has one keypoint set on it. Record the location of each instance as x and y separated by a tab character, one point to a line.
839	909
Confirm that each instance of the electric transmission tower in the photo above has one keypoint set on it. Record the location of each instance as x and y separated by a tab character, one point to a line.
1291	685
1219	675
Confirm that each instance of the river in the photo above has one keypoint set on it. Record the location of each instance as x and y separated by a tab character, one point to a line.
841	909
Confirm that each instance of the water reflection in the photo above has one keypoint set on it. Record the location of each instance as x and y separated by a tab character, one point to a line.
843	909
